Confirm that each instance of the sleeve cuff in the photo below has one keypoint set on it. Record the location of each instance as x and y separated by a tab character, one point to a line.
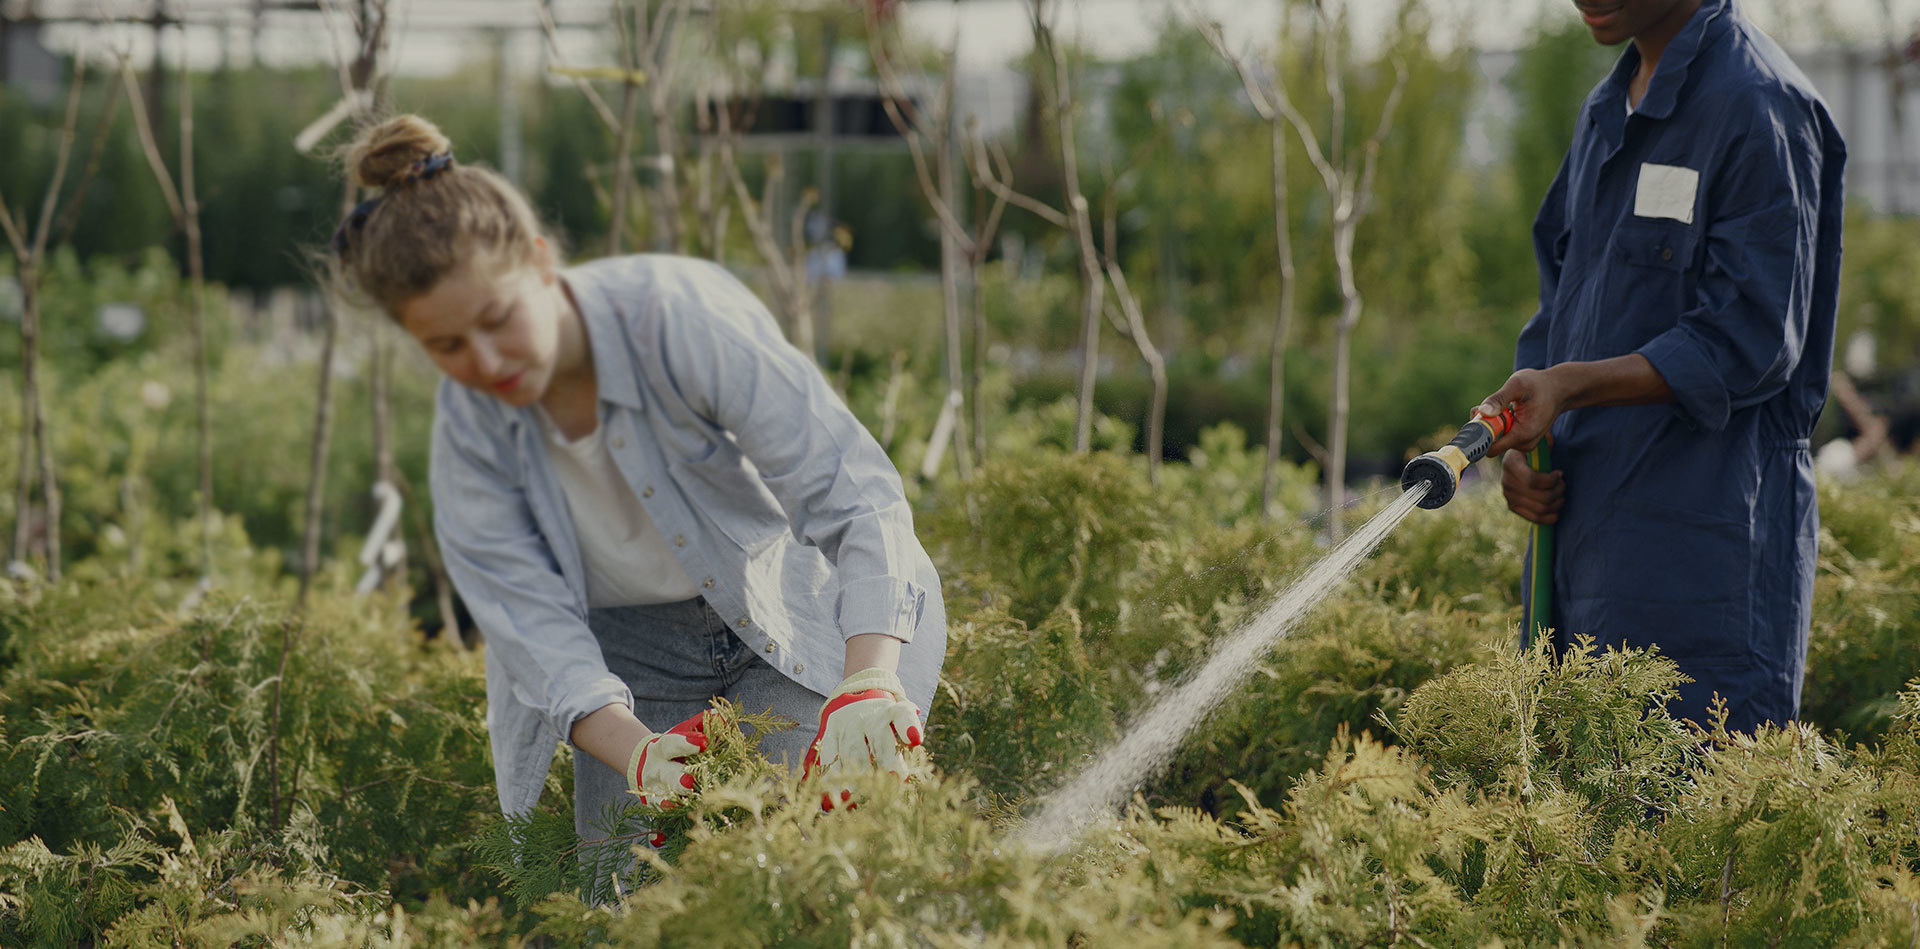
887	605
586	700
1697	387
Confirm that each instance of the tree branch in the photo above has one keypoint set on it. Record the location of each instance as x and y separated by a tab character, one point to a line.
147	144
20	248
996	183
67	129
71	218
1379	136
552	32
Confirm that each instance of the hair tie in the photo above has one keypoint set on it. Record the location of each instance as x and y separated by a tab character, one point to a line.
356	220
428	167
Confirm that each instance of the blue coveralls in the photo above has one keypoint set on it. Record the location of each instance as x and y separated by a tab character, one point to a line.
1703	232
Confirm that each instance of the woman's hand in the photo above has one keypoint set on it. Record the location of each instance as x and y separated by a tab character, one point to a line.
658	769
866	725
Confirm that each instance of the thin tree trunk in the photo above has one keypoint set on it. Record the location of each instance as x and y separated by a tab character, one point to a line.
197	277
704	210
1136	327
1342	384
797	289
29	407
622	168
381	379
49	488
1091	283
977	373
29	251
322	440
666	217
1282	318
950	307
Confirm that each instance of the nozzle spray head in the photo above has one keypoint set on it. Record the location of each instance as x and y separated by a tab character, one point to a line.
1442	466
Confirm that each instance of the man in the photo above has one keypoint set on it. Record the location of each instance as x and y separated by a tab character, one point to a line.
1689	254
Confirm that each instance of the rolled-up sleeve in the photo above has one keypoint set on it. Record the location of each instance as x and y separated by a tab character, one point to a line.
508	576
836	484
1741	342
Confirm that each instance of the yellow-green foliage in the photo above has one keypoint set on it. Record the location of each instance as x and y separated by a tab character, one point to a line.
1396	770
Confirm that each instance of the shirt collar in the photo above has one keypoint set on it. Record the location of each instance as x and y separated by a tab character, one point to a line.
1707	25
613	370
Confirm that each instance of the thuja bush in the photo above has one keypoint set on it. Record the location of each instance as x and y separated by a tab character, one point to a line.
1532	800
539	854
1555	802
1866	609
917	866
362	752
1049	530
1017	707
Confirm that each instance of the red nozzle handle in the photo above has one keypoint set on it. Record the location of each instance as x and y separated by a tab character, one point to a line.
1500	424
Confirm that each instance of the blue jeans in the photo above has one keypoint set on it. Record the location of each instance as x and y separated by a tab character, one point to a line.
676	657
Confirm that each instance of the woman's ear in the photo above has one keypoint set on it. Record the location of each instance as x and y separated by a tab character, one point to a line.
543	259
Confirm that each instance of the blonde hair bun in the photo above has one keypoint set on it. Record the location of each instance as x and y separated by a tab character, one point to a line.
383	155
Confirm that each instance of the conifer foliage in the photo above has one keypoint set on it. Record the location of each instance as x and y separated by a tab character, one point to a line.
1396	773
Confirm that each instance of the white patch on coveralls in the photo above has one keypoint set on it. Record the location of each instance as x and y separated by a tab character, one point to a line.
1666	191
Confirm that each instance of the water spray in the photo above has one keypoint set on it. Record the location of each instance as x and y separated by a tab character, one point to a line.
1442	467
1151	740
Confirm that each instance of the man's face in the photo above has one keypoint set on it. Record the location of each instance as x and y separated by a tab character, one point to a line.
1616	21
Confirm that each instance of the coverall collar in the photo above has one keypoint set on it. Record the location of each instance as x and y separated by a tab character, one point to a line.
1708	24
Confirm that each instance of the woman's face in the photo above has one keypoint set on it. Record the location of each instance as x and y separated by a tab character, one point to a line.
491	328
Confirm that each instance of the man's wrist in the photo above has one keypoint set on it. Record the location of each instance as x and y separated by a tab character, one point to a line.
1572	384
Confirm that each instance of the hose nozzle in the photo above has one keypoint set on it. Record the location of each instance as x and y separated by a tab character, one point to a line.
1442	466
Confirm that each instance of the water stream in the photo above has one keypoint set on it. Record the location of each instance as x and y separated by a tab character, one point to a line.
1152	738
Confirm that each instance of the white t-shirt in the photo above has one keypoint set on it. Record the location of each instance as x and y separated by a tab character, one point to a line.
627	560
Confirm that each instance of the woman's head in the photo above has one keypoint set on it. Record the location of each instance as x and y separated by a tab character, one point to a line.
454	254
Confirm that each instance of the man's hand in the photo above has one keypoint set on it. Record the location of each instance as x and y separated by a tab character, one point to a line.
658	769
1537	496
866	725
1537	398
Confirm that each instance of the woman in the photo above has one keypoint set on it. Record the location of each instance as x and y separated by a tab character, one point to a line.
645	496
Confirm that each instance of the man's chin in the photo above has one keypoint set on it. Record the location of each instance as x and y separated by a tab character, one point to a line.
1608	35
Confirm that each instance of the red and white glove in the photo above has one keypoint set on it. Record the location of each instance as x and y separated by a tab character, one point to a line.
866	725
658	769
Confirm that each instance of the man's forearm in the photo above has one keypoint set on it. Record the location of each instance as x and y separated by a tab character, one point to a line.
1622	380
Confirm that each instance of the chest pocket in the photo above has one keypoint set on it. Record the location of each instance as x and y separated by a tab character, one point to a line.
1658	245
1652	281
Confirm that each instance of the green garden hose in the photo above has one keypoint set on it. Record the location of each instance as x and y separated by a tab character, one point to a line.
1539	612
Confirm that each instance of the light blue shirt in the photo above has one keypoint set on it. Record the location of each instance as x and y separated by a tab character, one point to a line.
775	499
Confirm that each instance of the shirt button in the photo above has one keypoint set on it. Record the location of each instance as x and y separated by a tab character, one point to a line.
708	583
647	491
1666	253
771	647
619	442
798	668
680	540
744	621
